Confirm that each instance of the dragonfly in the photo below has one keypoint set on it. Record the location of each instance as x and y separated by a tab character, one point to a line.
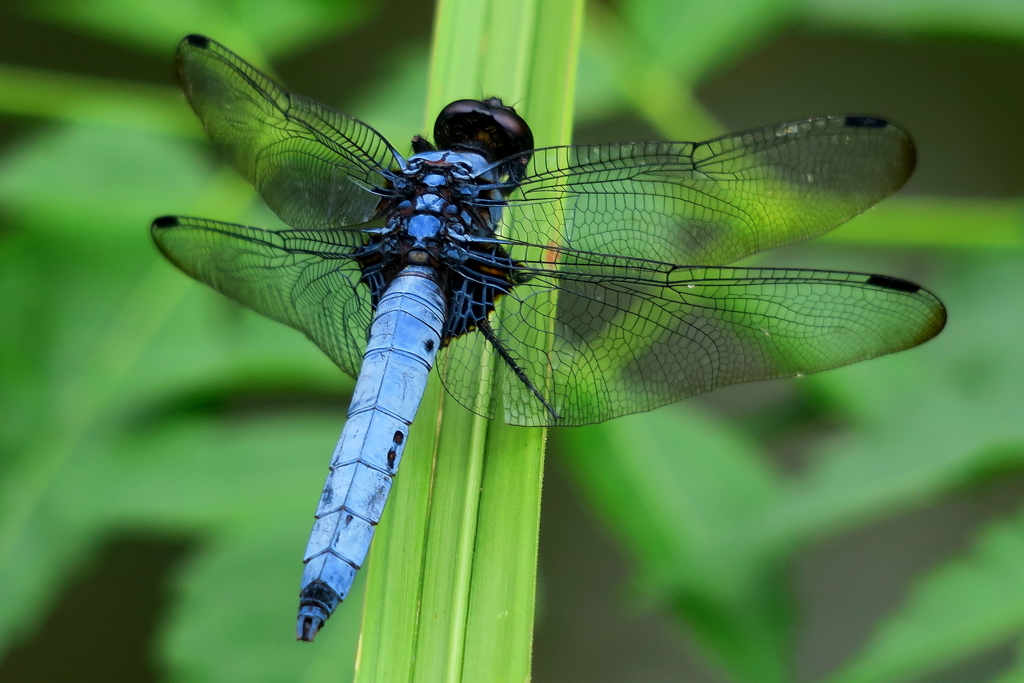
593	275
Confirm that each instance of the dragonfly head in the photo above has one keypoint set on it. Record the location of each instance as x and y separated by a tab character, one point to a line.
487	127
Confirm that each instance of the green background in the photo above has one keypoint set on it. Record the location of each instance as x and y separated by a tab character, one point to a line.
160	448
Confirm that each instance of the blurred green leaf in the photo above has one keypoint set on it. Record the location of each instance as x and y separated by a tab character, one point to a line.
614	57
253	27
909	221
653	55
23	397
965	607
994	18
684	491
232	485
107	343
926	421
710	529
81	181
126	338
395	106
1015	674
693	37
233	619
235	603
88	99
712	484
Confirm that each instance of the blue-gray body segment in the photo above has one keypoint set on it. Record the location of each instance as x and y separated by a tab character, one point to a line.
404	339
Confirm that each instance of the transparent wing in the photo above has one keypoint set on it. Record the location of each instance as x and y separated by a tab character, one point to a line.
304	279
312	165
710	203
627	336
459	367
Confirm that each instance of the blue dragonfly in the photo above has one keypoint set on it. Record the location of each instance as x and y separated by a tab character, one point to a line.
594	273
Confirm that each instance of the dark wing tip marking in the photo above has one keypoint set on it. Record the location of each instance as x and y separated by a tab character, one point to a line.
866	122
166	222
895	283
196	40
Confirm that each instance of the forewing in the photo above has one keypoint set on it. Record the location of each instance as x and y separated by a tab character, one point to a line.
626	337
304	279
312	165
713	202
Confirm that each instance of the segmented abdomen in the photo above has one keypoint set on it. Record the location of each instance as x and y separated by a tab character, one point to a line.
404	338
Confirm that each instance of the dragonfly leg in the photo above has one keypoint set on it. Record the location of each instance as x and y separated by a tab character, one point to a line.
485	328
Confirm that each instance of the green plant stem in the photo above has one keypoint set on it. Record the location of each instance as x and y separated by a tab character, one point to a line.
452	578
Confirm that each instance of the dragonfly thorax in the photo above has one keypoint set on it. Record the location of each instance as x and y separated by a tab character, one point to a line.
444	214
461	165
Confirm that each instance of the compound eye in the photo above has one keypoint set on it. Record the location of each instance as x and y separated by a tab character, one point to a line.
457	108
514	125
488	128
